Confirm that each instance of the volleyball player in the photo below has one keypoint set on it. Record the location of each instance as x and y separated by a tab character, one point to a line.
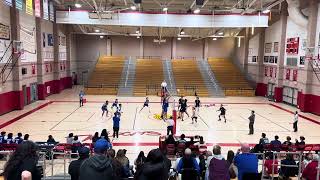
222	113
197	103
146	104
179	106
104	108
115	104
183	109
194	116
165	106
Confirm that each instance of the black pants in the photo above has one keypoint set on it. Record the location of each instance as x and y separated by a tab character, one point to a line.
169	129
251	130
115	132
81	102
295	126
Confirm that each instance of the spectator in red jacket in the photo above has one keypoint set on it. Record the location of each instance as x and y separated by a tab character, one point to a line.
310	172
268	165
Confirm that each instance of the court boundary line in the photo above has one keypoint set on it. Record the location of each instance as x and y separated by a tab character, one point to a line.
157	144
51	102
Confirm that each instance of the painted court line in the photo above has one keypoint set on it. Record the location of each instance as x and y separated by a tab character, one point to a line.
157	144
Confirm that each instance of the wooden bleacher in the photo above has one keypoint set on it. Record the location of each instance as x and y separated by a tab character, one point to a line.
149	75
106	76
230	78
188	78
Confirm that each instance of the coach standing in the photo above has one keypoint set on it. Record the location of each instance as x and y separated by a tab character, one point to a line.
116	124
251	122
81	97
295	121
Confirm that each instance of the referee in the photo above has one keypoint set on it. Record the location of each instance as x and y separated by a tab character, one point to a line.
170	124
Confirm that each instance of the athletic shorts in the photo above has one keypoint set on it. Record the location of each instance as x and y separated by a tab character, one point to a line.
165	109
182	110
145	105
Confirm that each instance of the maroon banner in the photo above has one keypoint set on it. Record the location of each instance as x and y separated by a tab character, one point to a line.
37	8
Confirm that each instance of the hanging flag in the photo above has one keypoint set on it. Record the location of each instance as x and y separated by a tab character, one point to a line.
29	7
37	8
19	4
45	10
8	2
51	10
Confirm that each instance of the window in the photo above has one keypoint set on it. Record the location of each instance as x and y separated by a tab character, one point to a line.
254	58
292	61
276	59
271	59
266	59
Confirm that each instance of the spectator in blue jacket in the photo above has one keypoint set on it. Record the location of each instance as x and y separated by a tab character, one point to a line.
246	162
116	125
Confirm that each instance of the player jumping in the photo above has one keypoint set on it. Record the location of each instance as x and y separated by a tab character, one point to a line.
146	104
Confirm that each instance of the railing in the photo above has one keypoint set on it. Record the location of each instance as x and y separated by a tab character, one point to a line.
12	60
152	89
315	65
112	86
187	58
148	57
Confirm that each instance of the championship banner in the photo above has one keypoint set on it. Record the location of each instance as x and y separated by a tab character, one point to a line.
45	9
4	32
51	10
19	4
37	9
8	2
29	7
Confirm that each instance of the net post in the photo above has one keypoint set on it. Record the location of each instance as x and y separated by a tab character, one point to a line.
174	117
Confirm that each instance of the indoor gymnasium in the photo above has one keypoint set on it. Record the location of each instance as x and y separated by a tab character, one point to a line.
160	89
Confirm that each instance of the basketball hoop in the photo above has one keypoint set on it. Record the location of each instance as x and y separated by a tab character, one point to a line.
17	47
310	52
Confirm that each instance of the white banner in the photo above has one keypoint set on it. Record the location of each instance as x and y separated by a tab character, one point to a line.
45	10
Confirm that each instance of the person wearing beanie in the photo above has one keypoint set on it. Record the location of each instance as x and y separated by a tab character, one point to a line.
74	166
98	166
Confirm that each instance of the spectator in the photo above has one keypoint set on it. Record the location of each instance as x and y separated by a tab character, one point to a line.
141	159
288	141
201	142
276	144
18	139
178	160
118	170
70	138
245	162
264	140
25	158
182	139
302	141
76	140
74	166
307	159
26	175
10	139
124	161
270	163
310	172
116	125
104	135
95	137
99	166
203	166
287	172
189	165
170	140
233	171
51	140
155	167
218	167
3	137
190	143
26	137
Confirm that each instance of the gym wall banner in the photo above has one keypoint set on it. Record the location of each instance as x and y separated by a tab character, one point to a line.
19	4
29	7
37	9
45	9
8	2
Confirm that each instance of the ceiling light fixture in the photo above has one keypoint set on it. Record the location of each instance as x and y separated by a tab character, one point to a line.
138	37
96	30
77	5
138	31
196	11
133	8
214	39
165	9
179	38
266	11
101	37
220	33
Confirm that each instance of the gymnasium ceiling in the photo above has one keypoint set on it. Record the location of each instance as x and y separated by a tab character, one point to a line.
174	6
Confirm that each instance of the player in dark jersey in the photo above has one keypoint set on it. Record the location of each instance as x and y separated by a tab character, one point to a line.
222	113
104	108
115	104
179	106
183	108
146	104
165	106
197	103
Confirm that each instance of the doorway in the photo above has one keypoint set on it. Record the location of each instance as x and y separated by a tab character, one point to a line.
290	95
85	78
25	95
271	87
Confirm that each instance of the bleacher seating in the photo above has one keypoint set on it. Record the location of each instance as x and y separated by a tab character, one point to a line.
148	78
230	78
188	78
106	76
